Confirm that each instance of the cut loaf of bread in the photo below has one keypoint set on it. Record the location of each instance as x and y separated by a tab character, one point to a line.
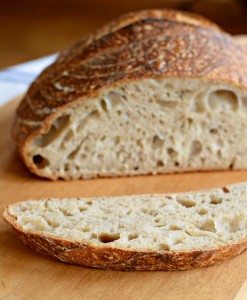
142	232
153	92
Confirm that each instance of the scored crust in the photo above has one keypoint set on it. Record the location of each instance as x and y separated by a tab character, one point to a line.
141	45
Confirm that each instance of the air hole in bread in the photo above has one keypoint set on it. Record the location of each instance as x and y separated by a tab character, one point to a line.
52	223
81	125
178	241
202	211
175	227
219	154
208	226
93	236
108	237
139	141
168	86
150	212
58	126
67	212
195	148
117	140
83	156
188	232
167	104
40	161
215	201
198	104
190	121
225	190
81	209
86	229
111	101
100	157
126	118
74	153
68	136
213	131
186	202
172	153
231	166
238	223
223	100
89	118
244	102
157	142
160	163
66	167
103	105
138	88
164	246
133	236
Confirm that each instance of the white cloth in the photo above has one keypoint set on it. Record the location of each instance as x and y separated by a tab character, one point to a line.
16	79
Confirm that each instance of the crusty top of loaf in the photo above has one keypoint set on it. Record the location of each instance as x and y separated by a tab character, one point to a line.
145	44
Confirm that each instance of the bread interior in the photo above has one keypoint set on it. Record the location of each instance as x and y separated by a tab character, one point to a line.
149	126
192	221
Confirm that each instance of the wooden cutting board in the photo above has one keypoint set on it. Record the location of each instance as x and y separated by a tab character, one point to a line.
25	274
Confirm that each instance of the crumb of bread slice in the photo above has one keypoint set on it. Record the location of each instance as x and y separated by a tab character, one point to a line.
138	232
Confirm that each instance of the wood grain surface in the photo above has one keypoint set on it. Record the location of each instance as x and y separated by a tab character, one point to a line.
25	274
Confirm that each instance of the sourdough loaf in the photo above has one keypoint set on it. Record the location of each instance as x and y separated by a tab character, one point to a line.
155	91
142	232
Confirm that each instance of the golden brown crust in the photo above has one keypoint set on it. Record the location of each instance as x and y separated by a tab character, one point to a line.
110	258
147	44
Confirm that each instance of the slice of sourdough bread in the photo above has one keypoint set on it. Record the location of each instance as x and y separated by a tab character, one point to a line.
155	91
141	232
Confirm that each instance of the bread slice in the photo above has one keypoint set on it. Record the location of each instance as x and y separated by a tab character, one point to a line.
143	232
155	91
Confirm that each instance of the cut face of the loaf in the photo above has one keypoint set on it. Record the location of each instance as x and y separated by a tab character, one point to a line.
146	127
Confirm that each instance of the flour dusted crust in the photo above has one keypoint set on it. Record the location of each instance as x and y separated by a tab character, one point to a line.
209	226
159	44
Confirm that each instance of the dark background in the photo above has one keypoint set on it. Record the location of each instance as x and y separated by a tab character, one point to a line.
33	28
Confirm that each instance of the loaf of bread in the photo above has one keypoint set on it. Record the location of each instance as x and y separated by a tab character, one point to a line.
143	232
155	91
